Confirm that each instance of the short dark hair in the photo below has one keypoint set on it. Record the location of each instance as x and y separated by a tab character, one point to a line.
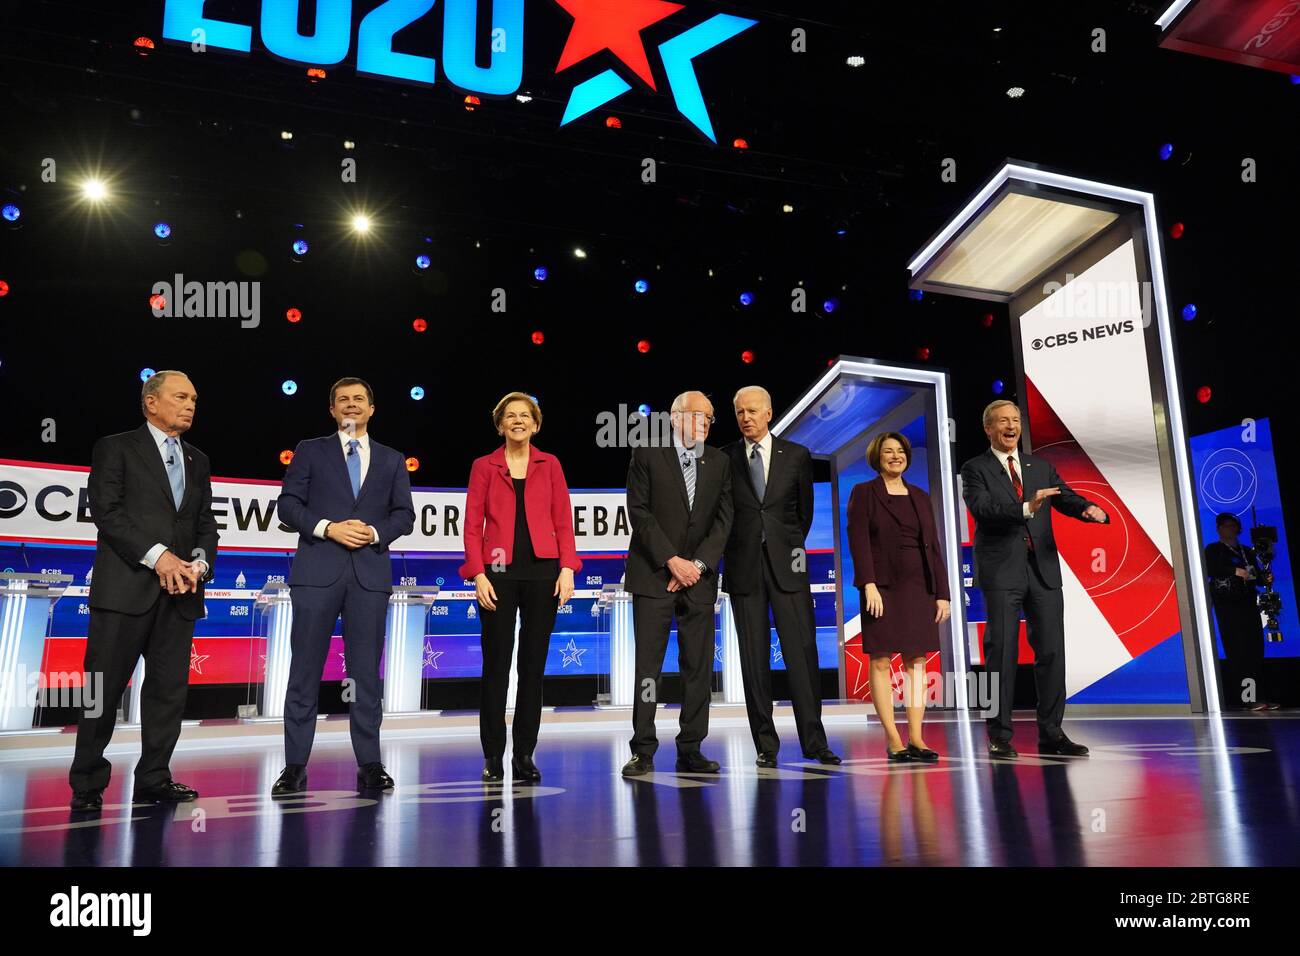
1226	517
873	450
344	382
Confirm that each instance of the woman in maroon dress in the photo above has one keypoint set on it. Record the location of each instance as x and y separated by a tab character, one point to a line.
898	565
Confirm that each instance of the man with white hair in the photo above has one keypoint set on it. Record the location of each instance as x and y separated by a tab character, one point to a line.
679	503
766	574
1018	569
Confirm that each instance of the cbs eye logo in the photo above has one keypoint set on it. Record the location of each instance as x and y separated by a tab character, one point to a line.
1037	344
13	499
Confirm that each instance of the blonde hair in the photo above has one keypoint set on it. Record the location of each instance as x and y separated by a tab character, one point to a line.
499	412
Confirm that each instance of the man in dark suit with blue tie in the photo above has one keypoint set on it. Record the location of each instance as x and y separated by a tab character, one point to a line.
765	573
348	498
1017	568
150	496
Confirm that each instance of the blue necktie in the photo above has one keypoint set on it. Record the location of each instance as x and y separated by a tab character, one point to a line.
354	466
688	472
175	471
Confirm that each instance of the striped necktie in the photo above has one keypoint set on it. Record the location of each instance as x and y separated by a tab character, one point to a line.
688	472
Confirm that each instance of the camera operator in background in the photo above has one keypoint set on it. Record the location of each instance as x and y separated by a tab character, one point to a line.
1235	576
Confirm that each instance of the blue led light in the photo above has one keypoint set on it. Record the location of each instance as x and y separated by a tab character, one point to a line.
11	213
417	393
162	230
301	248
289	387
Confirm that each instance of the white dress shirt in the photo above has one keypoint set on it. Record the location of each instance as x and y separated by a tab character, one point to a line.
363	450
764	443
160	440
1002	457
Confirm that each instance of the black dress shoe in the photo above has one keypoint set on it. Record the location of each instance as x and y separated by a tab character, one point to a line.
766	758
696	762
825	755
1062	745
494	770
638	765
372	776
898	756
292	779
922	753
87	800
524	768
169	792
1002	748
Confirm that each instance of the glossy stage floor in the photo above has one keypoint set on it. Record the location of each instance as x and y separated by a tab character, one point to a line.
1164	791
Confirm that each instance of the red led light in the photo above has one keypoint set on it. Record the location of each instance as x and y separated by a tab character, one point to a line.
741	143
538	338
1203	394
294	315
158	303
420	325
412	464
613	122
747	357
286	456
4	287
987	320
923	354
143	43
1177	230
643	346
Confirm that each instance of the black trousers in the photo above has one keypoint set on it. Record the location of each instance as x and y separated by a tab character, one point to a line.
796	631
652	618
1044	610
365	615
114	643
1243	651
536	605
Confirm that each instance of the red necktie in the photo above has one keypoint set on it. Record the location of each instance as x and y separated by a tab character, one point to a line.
1020	492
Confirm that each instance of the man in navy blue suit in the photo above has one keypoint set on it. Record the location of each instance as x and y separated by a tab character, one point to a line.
348	498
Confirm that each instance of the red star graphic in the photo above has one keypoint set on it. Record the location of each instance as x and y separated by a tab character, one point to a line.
613	25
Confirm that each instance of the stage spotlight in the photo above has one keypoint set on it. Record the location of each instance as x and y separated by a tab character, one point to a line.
1189	312
4	288
143	44
293	316
643	346
916	295
1166	151
830	305
412	464
1295	79
162	230
1016	92
644	410
998	386
158	303
94	190
349	145
746	298
420	325
315	73
286	456
613	122
641	286
289	387
472	103
747	357
11	213
538	337
841	229
579	253
361	223
787	209
857	61
541	273
146	374
417	393
1177	230
1203	394
523	98
987	320
423	262
741	143
286	136
301	247
923	354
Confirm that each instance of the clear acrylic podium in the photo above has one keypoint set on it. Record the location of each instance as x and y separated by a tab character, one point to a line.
26	603
403	662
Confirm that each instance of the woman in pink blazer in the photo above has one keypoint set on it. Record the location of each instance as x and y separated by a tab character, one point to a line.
521	554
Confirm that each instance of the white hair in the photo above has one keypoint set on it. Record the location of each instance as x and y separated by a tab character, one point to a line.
767	397
993	406
679	403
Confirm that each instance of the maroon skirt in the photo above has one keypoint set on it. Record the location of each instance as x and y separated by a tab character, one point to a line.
907	625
